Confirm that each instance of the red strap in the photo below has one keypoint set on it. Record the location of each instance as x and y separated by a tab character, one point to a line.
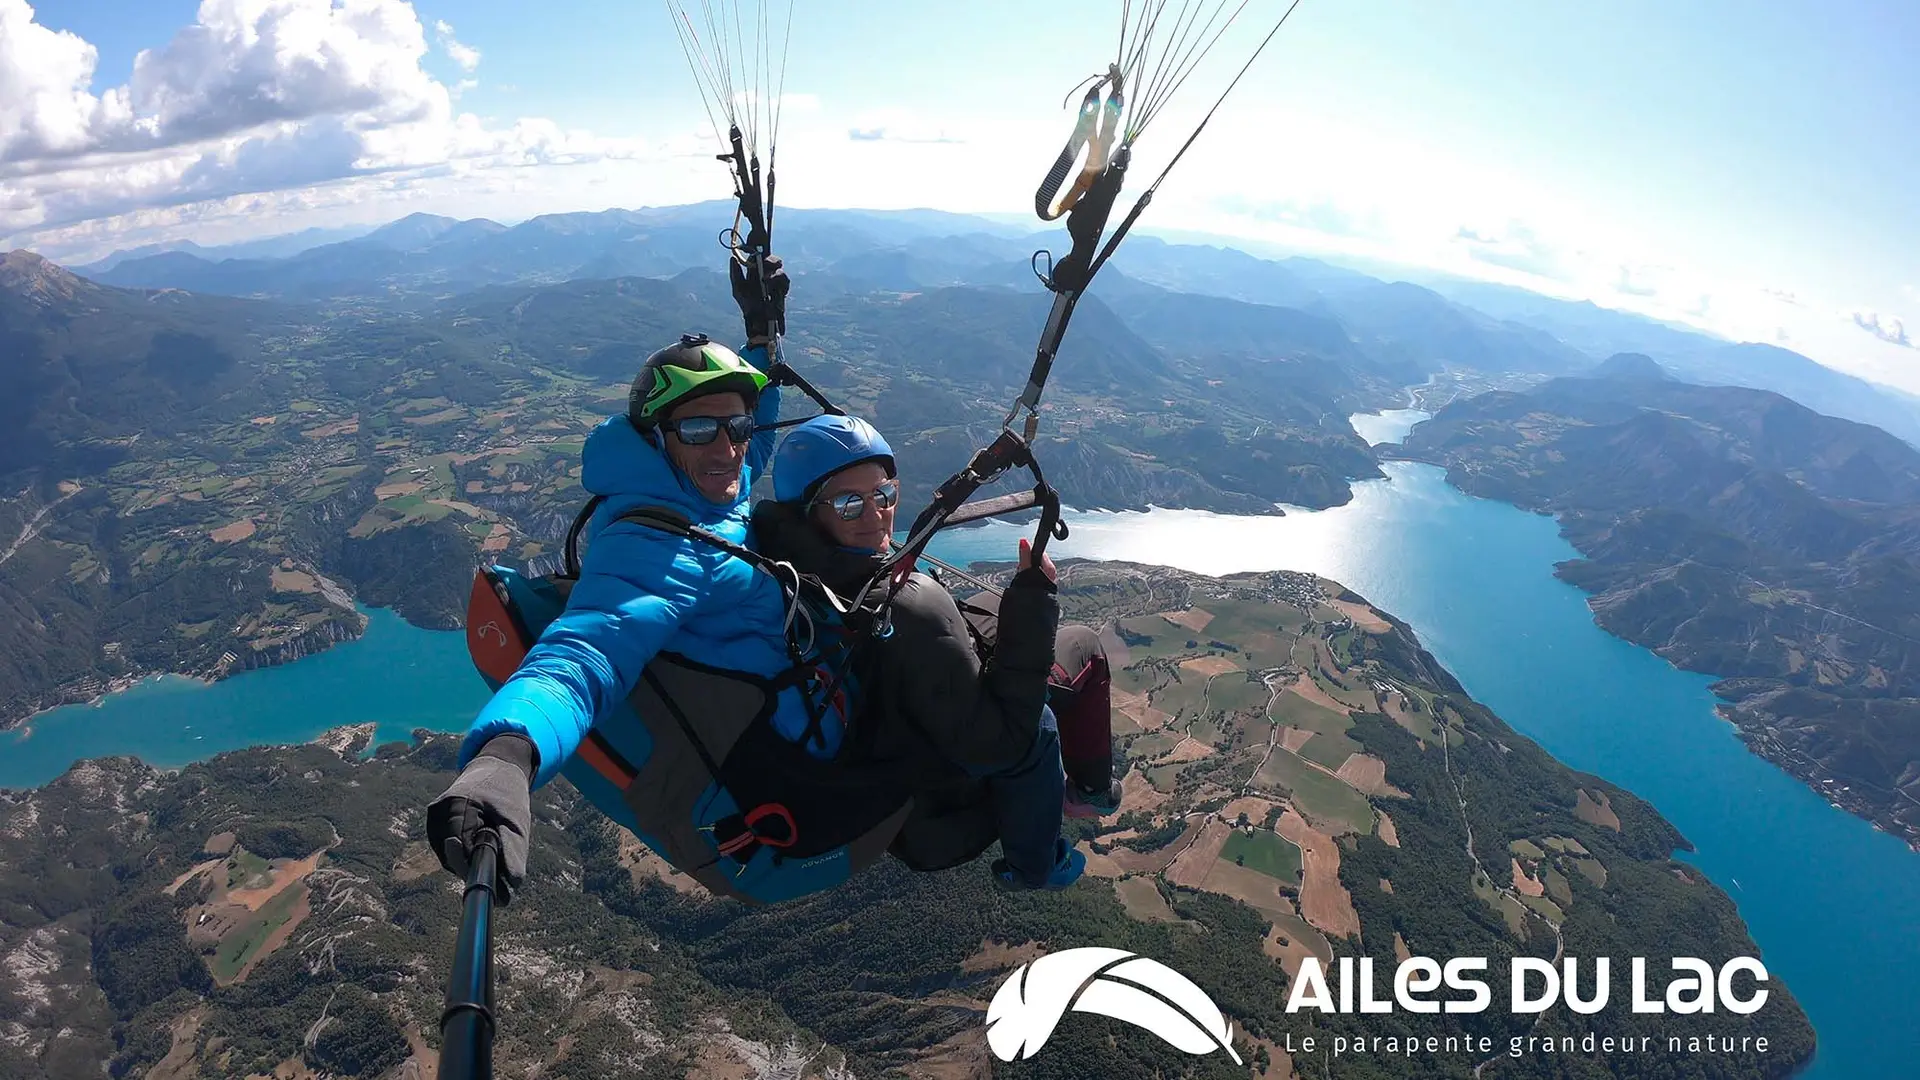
751	834
766	810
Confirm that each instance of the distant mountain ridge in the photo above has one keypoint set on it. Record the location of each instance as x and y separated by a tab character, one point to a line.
1631	366
1696	356
1443	323
285	245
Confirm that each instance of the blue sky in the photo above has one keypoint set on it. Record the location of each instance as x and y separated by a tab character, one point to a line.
1745	167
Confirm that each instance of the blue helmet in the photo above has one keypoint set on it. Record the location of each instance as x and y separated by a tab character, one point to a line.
821	447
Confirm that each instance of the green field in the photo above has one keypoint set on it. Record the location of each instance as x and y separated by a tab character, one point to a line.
1295	929
1136	678
1419	724
1558	887
239	947
1234	691
1183	696
1322	798
1266	851
1330	745
1330	750
1265	649
1259	731
1507	906
1208	732
1153	636
1527	849
1545	907
1290	708
1148	747
1356	694
1167	777
246	867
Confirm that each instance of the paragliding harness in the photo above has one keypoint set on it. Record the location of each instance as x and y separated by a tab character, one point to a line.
735	747
720	783
818	804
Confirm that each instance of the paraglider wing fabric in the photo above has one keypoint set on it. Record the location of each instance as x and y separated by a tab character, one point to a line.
497	638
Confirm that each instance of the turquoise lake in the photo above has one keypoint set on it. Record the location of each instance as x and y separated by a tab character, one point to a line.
396	676
1833	903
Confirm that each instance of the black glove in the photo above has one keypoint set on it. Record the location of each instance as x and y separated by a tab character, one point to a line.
764	311
493	792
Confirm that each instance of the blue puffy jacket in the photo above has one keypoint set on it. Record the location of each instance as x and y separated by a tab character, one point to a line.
642	591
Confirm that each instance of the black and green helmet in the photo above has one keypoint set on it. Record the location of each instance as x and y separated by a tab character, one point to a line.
689	368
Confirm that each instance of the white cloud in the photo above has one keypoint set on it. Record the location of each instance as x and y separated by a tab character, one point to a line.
44	104
899	125
256	96
1885	327
244	65
1514	245
466	56
1634	281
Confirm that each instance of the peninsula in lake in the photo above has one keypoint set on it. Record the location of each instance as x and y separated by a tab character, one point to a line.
1734	532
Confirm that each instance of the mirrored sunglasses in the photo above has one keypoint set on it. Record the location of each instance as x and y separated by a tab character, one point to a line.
701	430
851	504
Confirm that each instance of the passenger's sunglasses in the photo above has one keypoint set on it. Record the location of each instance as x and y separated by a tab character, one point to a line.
850	505
701	430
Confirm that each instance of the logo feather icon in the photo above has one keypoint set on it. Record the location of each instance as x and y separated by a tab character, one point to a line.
1108	982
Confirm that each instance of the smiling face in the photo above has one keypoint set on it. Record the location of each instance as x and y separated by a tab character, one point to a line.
714	467
873	529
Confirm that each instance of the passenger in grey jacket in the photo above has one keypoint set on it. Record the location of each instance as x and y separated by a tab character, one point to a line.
923	693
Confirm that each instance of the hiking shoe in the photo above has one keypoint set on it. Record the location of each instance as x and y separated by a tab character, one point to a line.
1083	803
1072	863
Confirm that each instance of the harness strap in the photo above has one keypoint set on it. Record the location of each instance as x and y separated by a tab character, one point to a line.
570	555
814	690
1099	144
986	508
1043	201
1006	452
742	839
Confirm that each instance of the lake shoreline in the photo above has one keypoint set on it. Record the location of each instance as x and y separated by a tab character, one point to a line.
1473	580
117	685
1758	738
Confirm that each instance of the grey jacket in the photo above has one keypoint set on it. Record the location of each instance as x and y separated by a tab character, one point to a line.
925	687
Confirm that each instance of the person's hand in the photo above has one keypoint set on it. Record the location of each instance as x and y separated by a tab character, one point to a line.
1046	561
764	311
493	792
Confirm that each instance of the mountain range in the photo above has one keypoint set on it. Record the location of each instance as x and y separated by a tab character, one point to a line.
214	456
1430	321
